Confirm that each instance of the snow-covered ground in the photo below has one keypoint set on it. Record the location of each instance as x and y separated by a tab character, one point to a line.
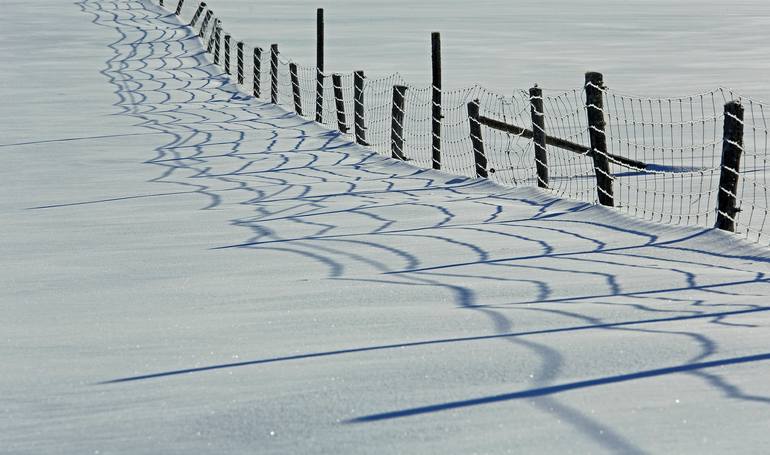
184	269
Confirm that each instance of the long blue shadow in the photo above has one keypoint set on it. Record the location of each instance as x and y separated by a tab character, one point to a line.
543	391
431	342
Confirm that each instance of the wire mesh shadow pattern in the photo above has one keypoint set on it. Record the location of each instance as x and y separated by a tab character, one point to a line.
663	156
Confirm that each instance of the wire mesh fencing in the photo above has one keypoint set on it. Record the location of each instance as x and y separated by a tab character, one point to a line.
659	159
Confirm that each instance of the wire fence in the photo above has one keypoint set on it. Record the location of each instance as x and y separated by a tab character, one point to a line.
665	156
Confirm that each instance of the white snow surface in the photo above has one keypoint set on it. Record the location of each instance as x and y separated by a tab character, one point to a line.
184	269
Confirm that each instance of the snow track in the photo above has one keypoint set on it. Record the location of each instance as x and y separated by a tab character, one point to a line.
187	270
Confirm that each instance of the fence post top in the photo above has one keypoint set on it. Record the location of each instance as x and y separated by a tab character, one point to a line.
595	78
734	106
535	91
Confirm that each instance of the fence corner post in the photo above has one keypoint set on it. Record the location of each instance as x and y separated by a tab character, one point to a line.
594	87
479	158
397	123
358	107
537	112
732	148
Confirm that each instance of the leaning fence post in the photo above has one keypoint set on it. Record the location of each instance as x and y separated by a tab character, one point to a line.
274	73
358	107
538	135
436	107
217	43
295	88
179	7
596	129
197	14
210	46
477	140
257	71
227	54
239	62
397	123
205	24
319	97
339	102
732	147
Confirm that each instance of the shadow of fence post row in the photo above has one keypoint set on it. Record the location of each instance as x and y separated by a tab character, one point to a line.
672	160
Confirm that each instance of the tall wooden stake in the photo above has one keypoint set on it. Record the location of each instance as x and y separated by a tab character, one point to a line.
295	88
397	123
339	102
436	110
732	147
479	158
257	71
596	127
538	135
358	107
274	73
319	98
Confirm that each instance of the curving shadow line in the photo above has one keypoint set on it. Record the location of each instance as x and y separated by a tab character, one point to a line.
552	390
432	342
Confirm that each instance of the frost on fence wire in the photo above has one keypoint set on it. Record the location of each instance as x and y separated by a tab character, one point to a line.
676	141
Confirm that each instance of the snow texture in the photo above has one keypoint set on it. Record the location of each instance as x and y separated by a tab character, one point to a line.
184	269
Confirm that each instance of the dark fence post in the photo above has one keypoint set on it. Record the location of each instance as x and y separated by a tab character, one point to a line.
477	140
179	7
339	102
274	73
239	62
217	43
538	135
227	54
161	2
358	107
257	71
596	126
436	89
319	97
295	88
210	46
197	14
732	147
397	123
205	23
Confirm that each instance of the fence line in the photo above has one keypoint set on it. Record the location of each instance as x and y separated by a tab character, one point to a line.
696	160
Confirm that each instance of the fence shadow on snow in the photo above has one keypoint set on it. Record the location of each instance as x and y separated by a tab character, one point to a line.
221	140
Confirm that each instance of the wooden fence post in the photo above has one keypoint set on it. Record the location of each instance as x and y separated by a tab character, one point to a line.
274	73
217	43
210	46
339	102
538	135
358	107
197	14
732	147
477	140
319	97
205	24
239	62
295	88
397	123
257	71
436	107
179	7
227	54
596	128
